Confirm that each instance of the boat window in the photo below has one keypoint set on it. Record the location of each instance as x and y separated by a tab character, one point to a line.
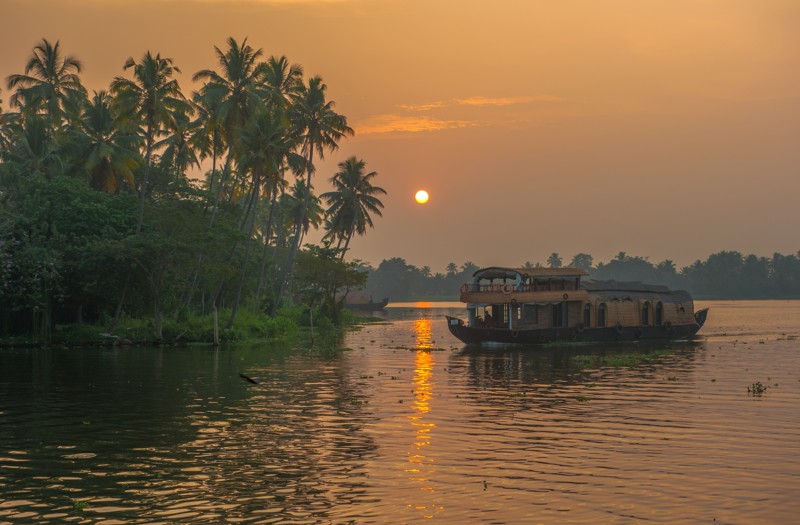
587	315
659	314
646	313
601	315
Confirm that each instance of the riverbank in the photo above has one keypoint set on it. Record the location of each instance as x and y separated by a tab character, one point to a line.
188	329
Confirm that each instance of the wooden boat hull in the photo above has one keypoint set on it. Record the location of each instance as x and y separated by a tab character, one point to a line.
368	307
468	334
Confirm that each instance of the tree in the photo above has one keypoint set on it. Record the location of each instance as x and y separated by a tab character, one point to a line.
234	94
554	261
107	149
50	84
582	261
264	141
352	202
320	129
152	99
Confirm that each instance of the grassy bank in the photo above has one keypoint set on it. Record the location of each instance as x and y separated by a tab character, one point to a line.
192	328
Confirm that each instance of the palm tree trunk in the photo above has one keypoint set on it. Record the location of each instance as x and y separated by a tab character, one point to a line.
225	171
289	266
251	221
143	190
265	252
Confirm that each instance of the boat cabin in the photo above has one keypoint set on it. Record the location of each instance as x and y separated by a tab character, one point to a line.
542	298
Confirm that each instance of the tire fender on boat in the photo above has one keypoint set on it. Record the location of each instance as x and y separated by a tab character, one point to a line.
618	328
508	288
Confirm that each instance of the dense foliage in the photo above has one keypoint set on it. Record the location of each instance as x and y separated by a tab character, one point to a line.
723	275
105	213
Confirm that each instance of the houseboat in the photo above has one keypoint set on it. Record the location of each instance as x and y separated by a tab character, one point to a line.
360	300
541	305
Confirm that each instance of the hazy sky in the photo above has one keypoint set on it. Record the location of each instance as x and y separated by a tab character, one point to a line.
662	128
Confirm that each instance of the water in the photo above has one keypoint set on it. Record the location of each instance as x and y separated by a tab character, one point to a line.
405	424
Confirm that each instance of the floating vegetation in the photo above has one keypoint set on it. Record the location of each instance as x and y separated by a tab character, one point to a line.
618	360
757	389
582	399
79	506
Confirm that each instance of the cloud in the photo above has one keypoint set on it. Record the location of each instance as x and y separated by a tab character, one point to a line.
506	101
407	124
414	123
480	101
423	107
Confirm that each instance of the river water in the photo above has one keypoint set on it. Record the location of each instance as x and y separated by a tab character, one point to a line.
401	423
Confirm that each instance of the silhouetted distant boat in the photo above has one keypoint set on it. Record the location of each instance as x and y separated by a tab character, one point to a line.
363	301
540	305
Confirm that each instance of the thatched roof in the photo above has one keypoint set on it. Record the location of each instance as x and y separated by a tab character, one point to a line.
634	291
497	272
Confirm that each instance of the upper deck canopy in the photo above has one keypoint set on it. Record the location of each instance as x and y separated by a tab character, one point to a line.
496	272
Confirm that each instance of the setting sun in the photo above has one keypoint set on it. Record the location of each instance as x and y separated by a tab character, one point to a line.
421	196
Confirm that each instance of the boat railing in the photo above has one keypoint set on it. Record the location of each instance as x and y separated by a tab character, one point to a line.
511	287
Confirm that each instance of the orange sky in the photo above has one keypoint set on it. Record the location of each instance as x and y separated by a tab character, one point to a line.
663	128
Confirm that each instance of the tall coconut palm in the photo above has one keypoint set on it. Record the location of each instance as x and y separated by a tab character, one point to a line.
34	150
178	153
152	99
320	129
207	139
264	146
282	80
237	90
353	202
107	148
51	83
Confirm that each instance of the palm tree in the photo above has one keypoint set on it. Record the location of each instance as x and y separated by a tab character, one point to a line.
178	148
281	80
207	138
264	146
50	83
319	128
236	93
108	150
352	201
34	150
154	98
554	261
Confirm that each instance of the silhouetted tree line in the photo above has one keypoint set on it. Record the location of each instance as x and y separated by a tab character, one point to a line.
723	275
99	218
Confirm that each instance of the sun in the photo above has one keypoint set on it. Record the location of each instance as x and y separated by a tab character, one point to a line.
421	196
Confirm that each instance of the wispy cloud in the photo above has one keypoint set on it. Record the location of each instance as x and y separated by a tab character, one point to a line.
407	124
408	120
505	101
480	101
423	107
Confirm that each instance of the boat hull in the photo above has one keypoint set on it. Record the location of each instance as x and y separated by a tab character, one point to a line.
368	307
468	334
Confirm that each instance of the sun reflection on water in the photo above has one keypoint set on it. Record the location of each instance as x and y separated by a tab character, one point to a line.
420	463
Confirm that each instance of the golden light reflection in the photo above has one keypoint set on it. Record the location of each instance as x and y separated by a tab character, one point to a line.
423	331
420	463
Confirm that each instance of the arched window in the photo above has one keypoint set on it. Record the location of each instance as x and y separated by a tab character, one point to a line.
659	313
601	315
646	313
587	315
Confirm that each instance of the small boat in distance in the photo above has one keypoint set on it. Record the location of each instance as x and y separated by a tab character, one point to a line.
541	305
359	300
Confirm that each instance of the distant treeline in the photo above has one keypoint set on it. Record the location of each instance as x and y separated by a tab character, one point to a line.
723	275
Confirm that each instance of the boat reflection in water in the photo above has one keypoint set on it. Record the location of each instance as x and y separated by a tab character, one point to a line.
421	465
